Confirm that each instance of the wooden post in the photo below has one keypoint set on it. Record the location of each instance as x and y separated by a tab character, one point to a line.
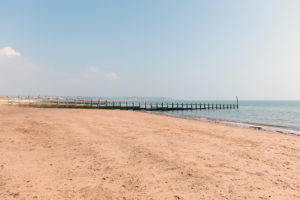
162	105
151	105
172	105
237	102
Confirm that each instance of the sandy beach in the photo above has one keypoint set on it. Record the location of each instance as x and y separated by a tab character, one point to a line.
112	154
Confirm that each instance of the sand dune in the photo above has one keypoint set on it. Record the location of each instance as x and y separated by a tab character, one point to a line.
111	154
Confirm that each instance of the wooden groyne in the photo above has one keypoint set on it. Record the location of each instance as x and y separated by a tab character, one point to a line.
121	105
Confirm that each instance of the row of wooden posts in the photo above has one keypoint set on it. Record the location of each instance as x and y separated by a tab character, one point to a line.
143	106
123	105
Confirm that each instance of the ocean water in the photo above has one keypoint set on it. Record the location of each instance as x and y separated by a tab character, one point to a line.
280	116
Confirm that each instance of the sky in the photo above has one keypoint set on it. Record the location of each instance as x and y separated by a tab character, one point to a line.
179	49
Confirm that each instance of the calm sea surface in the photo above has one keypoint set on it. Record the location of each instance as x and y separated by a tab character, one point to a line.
275	115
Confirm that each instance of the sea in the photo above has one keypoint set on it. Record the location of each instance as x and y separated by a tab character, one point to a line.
278	116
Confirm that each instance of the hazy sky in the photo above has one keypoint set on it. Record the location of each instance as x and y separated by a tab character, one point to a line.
180	49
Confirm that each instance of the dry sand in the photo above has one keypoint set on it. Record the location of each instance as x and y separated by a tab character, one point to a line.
112	154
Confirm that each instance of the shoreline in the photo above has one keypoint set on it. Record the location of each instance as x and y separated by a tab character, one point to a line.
231	123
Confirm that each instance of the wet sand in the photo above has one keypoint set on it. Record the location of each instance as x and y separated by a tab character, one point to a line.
112	154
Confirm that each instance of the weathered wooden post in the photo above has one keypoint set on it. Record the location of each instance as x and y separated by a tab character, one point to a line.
151	106
237	102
